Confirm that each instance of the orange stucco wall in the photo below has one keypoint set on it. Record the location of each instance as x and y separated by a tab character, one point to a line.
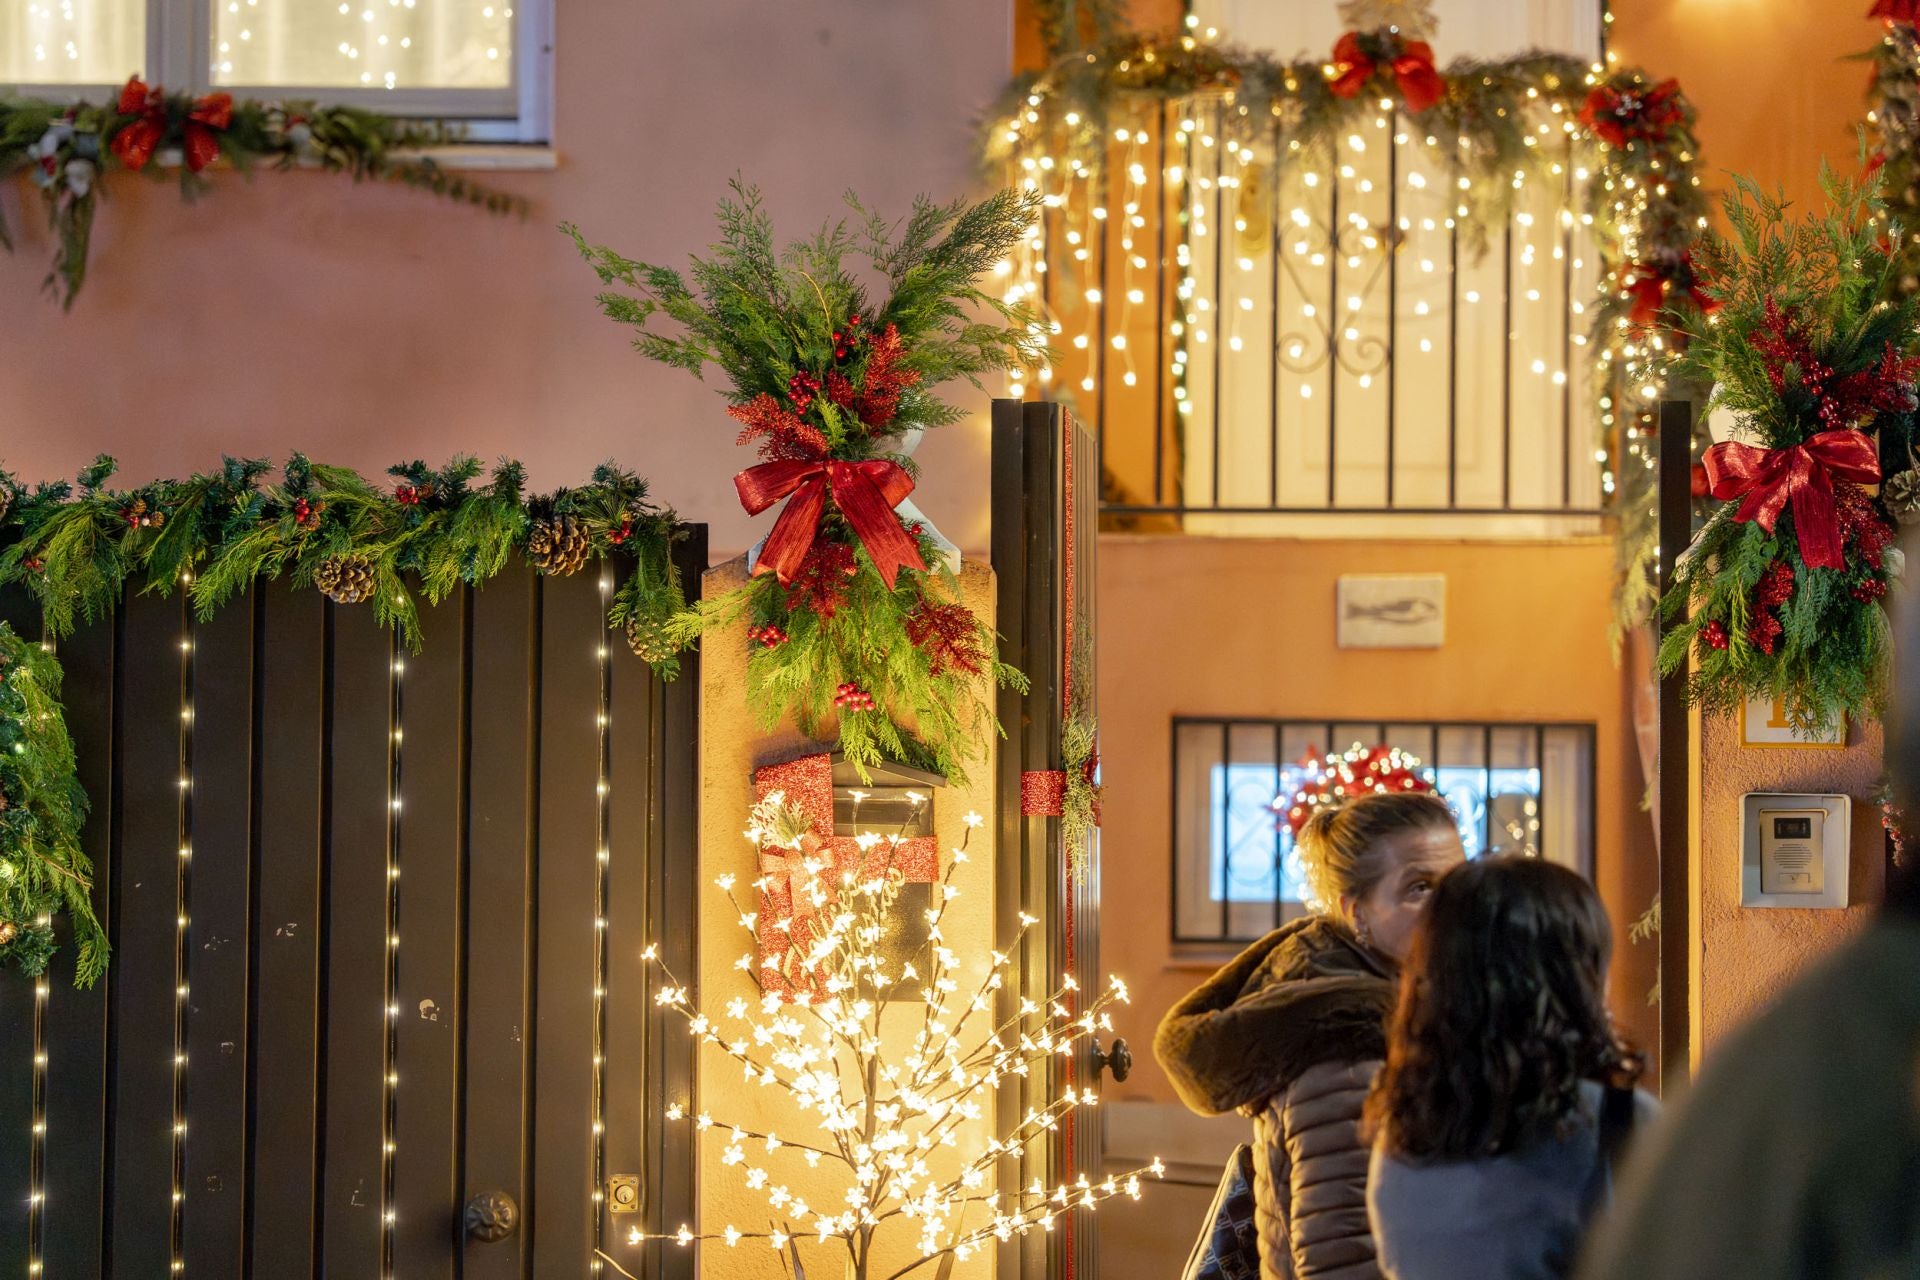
1767	76
1206	626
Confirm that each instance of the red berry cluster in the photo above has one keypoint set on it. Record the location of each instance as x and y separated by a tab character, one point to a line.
1775	589
620	535
845	339
852	697
1862	523
771	635
409	495
1715	634
306	514
1869	589
1776	585
802	387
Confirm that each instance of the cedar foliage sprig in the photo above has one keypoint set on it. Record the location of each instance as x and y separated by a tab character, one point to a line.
77	549
926	714
44	872
763	315
1812	328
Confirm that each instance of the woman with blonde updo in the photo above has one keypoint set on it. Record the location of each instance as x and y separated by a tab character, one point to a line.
1292	1031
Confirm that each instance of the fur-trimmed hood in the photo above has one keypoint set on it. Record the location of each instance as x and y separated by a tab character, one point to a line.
1307	993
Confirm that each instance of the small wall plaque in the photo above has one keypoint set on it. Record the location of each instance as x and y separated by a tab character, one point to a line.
1391	611
1764	723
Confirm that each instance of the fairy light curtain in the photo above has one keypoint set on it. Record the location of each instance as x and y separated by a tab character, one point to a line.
1275	293
71	41
313	44
381	44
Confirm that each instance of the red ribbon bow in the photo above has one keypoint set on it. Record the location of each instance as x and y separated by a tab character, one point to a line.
866	494
136	142
1802	475
1648	286
1420	85
1892	11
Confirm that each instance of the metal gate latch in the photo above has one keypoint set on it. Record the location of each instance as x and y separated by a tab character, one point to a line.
491	1216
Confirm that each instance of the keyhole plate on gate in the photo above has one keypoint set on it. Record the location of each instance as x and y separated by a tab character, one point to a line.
623	1193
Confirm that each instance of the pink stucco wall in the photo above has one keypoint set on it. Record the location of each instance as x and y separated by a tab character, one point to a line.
368	325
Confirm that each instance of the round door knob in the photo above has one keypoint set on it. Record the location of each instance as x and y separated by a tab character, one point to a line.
491	1216
1117	1059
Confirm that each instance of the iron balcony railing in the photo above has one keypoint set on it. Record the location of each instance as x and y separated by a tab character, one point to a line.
1257	331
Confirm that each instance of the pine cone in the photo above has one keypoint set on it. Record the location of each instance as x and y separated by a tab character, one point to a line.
647	637
8	931
6	499
559	546
345	579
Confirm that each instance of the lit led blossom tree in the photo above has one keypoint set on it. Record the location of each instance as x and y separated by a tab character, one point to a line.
890	1114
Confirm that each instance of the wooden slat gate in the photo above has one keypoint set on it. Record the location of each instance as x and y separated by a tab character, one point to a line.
1045	523
376	920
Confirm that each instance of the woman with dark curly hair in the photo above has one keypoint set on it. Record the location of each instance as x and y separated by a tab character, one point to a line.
1505	1085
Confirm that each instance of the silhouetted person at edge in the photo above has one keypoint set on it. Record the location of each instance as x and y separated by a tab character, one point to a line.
1797	1153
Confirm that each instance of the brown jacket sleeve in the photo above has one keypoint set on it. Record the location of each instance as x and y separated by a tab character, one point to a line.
1224	1050
1205	1029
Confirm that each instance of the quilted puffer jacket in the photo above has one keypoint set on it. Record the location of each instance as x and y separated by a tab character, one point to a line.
1291	1033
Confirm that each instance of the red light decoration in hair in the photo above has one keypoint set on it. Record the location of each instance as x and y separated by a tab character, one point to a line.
1359	770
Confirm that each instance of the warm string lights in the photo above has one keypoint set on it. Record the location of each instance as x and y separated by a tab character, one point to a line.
372	44
181	949
37	1138
602	837
37	1134
390	969
1249	188
892	1129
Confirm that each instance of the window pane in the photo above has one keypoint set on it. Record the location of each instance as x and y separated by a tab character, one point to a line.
390	44
71	41
1521	789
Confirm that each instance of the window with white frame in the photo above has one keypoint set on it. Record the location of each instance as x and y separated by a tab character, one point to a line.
484	63
1515	788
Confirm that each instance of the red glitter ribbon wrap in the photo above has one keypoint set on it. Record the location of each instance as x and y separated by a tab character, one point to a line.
808	784
1043	793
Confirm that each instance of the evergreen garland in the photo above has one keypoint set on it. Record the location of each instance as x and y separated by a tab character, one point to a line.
43	871
76	550
1812	335
1634	136
68	148
1080	761
1893	95
821	370
837	653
